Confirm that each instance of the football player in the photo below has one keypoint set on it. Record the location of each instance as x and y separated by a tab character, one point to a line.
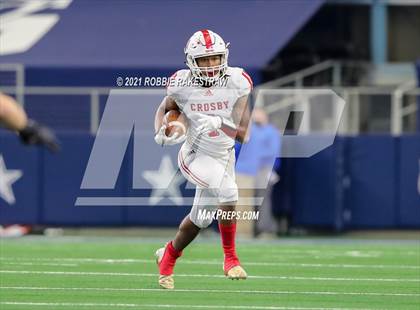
214	97
13	117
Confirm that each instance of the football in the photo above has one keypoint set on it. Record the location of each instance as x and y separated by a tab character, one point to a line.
175	121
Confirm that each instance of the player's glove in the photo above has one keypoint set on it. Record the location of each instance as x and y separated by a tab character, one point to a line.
209	123
37	134
162	139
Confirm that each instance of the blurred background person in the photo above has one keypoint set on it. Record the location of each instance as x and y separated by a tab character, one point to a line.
270	150
255	169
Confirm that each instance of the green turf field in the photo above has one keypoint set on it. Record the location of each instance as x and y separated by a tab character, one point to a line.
116	273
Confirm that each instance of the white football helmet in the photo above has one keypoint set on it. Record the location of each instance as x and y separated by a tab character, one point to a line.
206	43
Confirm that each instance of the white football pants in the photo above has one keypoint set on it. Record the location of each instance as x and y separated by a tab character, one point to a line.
214	178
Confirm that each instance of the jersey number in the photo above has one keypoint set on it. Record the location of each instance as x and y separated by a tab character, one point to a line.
214	133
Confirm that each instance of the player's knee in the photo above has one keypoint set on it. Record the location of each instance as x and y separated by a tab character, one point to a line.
228	193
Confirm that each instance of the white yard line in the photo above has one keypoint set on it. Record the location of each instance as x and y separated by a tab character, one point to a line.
129	274
38	264
100	289
207	262
170	306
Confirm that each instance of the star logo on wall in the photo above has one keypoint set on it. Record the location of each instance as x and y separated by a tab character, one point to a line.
165	182
7	178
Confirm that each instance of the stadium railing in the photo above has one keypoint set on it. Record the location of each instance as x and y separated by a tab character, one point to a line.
360	115
397	117
13	75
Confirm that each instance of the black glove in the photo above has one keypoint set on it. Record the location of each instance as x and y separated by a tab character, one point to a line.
36	134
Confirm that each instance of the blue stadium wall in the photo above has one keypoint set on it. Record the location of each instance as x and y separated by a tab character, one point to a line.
358	182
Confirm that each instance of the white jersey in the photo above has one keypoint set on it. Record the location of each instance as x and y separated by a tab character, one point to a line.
217	100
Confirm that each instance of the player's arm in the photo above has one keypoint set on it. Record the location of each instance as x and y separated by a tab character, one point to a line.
238	128
166	105
30	132
11	114
241	117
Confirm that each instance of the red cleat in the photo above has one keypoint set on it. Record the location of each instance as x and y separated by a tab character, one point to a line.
166	259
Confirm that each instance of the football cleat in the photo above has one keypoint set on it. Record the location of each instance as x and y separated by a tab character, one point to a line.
165	281
236	273
159	255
